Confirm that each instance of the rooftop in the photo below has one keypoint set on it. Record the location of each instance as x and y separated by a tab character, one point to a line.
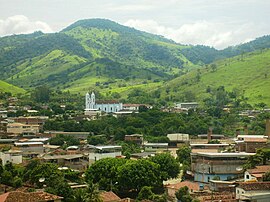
19	196
109	196
66	157
209	145
191	185
108	147
259	169
156	144
254	186
216	154
27	143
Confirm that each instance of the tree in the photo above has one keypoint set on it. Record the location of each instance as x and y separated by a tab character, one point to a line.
96	140
145	193
266	176
213	67
169	167
134	175
104	172
92	193
183	195
183	155
41	94
46	171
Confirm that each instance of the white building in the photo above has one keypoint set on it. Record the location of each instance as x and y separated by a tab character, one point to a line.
13	156
107	106
100	152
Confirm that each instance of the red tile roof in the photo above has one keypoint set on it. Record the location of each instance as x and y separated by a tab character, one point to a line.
254	186
259	169
191	185
109	196
18	196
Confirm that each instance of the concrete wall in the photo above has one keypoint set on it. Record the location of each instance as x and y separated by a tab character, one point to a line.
109	107
205	177
97	156
10	157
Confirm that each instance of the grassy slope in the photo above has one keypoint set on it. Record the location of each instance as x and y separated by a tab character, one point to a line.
40	68
6	87
247	75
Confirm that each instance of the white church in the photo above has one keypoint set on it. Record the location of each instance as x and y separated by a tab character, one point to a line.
108	106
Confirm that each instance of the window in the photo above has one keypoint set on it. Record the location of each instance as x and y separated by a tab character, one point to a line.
247	176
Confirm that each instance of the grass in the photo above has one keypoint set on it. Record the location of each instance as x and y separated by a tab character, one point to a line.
250	75
6	87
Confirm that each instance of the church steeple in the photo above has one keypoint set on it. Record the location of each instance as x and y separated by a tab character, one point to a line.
87	101
92	100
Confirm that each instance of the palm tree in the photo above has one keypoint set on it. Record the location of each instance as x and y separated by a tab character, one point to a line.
89	194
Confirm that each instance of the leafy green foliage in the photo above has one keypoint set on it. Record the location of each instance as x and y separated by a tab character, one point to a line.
183	195
266	176
169	167
145	193
64	139
104	172
134	175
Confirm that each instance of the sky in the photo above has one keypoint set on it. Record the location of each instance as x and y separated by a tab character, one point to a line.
216	23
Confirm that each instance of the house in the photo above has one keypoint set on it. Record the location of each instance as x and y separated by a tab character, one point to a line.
224	166
72	161
208	147
3	114
137	138
79	135
18	196
32	120
155	147
256	174
186	105
192	187
20	128
142	155
221	185
248	143
30	147
253	191
134	107
100	152
177	139
13	156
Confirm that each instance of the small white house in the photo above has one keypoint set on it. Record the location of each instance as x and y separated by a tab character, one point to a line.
13	156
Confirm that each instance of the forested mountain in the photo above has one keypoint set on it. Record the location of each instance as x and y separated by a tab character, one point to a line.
90	53
103	55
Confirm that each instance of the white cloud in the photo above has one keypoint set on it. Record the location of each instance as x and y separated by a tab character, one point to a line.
20	24
216	34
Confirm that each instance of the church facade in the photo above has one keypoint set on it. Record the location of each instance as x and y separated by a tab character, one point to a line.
108	106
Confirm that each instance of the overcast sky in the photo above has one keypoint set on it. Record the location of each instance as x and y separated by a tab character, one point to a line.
217	23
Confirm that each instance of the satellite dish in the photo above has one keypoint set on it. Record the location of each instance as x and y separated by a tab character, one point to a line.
41	179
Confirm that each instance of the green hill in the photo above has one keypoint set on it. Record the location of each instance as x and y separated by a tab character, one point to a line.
89	54
247	74
103	55
6	87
